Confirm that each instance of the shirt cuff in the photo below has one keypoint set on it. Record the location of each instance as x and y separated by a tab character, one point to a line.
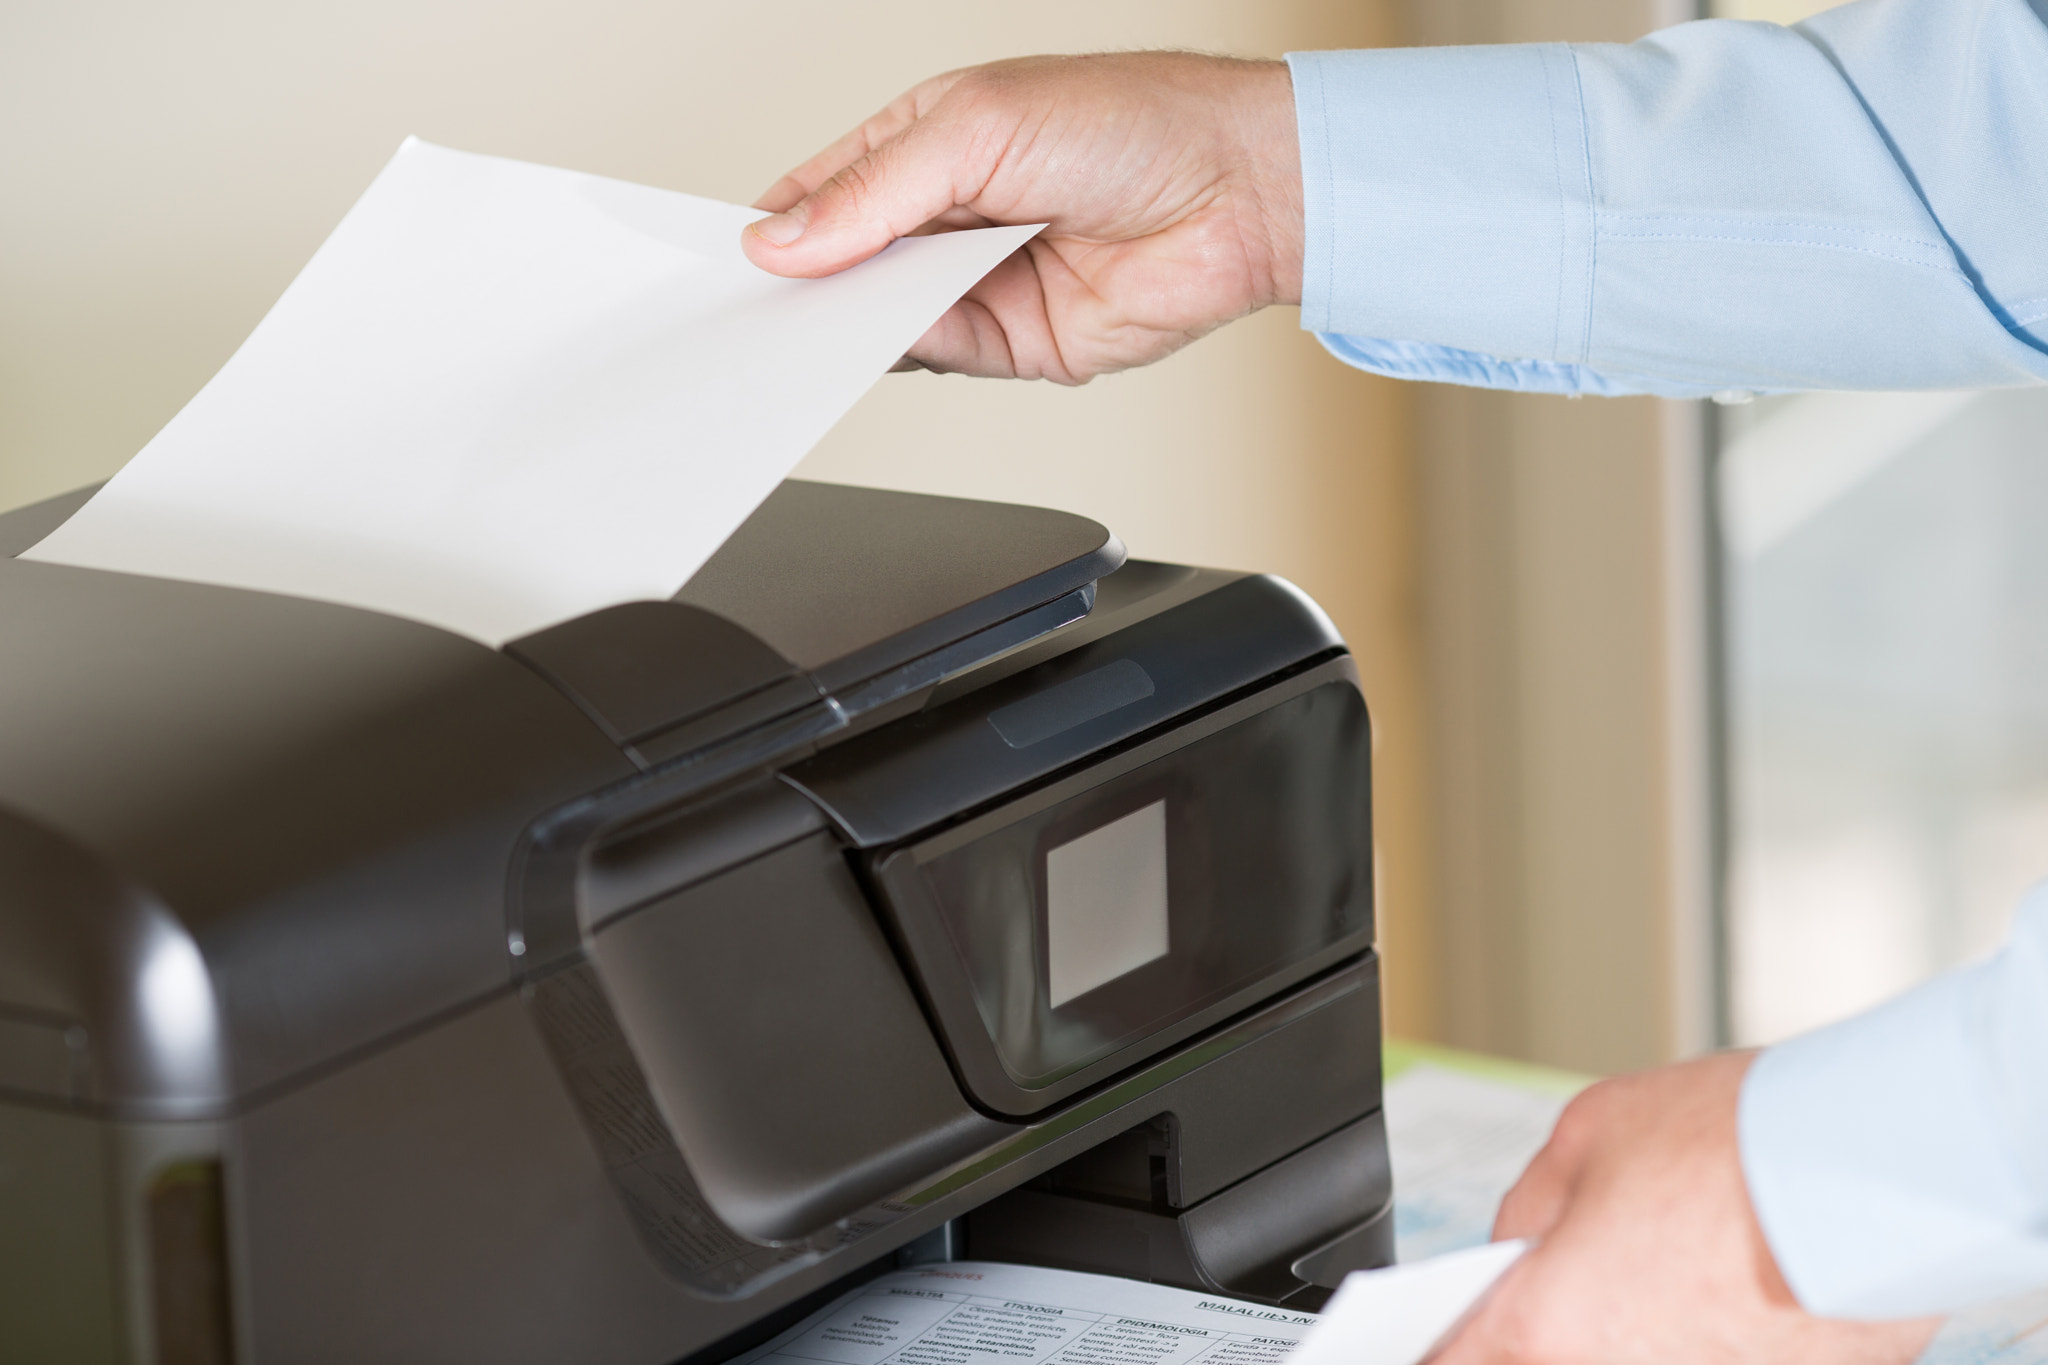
1884	1155
1447	365
1448	197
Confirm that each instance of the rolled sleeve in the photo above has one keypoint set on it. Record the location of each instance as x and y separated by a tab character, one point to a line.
1898	1162
1852	203
1465	221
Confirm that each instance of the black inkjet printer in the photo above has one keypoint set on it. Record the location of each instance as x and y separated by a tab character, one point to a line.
922	881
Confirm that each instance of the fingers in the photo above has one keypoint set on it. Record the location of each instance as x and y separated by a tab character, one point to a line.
1650	1249
889	193
1538	1200
782	194
790	190
899	114
1036	317
1003	328
899	172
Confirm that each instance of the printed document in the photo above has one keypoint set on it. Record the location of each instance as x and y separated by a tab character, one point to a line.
502	395
983	1313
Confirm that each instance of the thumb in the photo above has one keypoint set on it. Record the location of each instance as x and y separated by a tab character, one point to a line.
890	192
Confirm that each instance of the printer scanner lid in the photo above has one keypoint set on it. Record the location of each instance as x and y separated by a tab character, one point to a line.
860	595
306	812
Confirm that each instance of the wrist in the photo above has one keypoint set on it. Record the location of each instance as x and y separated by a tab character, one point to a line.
1270	171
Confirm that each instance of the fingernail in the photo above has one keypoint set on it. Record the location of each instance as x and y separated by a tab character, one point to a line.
779	230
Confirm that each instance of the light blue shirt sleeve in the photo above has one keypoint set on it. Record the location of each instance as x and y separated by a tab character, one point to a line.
1899	1161
1855	202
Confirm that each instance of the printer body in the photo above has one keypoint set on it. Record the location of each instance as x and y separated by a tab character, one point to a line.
923	881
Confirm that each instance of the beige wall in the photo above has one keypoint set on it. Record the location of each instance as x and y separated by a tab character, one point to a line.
1773	11
1562	567
1562	599
167	168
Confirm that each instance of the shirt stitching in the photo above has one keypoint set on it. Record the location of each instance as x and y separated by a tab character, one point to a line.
1326	172
1444	364
1329	195
1937	266
1563	210
1791	223
2027	312
1585	351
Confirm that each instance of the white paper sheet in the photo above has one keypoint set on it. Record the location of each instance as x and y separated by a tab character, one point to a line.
986	1313
1401	1315
504	395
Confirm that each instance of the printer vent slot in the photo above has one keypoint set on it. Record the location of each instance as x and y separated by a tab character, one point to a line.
1129	1169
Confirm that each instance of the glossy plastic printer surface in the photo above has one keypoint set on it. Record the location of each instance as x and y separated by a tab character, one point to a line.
920	881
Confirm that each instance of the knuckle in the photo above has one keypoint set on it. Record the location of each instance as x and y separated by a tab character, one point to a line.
994	93
1587	1108
973	81
991	78
851	188
1522	1195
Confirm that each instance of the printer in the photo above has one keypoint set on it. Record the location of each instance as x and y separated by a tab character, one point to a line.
922	881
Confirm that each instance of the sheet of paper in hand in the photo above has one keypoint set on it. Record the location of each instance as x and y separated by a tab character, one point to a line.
502	395
1403	1314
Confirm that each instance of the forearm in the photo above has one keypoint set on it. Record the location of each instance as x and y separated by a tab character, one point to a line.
1853	203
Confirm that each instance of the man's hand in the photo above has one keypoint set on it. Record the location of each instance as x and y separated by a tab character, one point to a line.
1650	1252
1171	184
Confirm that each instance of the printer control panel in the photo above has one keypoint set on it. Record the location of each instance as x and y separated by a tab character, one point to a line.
1063	936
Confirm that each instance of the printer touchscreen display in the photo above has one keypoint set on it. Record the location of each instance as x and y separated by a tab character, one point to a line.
1079	923
1105	903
